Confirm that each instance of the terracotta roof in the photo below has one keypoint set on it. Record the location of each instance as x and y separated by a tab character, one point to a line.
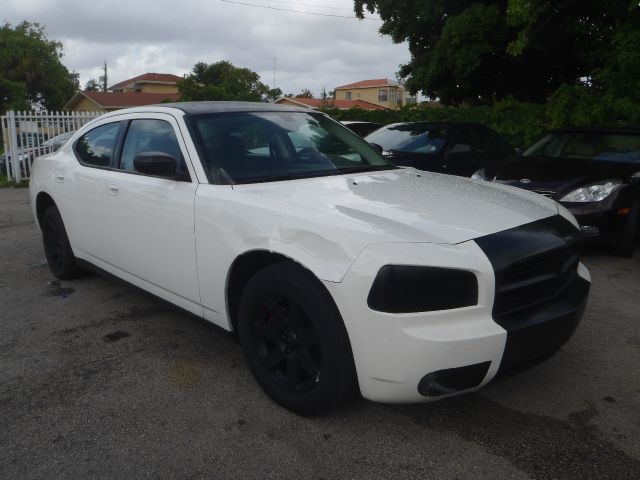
148	77
123	100
376	82
332	103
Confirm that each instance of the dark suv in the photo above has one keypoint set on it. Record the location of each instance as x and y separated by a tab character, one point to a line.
452	147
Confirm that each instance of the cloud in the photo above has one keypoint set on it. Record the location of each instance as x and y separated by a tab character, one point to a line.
170	37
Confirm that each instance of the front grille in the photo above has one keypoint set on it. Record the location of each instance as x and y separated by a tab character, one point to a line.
546	193
534	280
533	264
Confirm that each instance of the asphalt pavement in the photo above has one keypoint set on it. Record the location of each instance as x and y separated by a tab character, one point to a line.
101	380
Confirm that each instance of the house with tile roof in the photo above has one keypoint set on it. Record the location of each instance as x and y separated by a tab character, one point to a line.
106	101
148	83
318	103
145	89
378	91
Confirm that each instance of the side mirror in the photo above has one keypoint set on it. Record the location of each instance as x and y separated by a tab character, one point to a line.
376	147
156	163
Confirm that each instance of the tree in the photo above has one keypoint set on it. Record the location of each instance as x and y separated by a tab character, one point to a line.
31	73
224	81
306	93
92	85
477	51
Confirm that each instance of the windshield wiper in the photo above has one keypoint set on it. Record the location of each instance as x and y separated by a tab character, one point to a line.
287	176
366	168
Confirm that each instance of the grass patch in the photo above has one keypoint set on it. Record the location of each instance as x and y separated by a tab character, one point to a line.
6	182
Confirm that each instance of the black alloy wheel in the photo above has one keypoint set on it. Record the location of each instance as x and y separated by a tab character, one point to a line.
286	343
295	341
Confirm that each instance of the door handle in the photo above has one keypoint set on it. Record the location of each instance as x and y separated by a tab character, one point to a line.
59	178
114	189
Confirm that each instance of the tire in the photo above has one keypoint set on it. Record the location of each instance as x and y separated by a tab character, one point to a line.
57	249
295	341
626	241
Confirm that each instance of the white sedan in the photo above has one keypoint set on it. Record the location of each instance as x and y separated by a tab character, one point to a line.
339	273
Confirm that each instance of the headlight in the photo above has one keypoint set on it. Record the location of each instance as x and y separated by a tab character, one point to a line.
479	175
408	289
595	192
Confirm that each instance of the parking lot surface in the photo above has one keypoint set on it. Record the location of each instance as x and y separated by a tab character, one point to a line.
101	380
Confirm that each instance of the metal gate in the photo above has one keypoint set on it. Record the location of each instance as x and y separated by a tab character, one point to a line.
27	135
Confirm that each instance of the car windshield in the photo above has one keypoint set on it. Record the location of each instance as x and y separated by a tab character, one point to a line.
607	146
410	138
270	146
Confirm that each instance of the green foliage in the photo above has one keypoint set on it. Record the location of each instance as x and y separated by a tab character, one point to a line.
31	73
480	51
224	81
306	93
6	182
519	123
92	85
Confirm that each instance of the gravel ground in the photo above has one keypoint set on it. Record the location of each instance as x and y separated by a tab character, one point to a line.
101	380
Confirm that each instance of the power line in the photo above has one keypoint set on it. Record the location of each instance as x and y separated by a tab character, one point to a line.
310	5
296	11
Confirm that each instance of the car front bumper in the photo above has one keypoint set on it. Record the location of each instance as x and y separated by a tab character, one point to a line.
425	356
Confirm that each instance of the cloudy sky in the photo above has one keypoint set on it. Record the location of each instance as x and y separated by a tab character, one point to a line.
139	36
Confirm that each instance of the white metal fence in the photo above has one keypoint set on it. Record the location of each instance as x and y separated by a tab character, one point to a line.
27	135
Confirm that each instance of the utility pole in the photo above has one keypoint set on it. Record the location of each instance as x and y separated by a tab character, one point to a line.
104	78
274	73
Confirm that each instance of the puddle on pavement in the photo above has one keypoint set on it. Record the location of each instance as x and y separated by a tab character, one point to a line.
55	289
115	336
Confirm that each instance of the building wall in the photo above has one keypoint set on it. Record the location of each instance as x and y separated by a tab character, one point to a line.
288	102
370	94
86	105
149	88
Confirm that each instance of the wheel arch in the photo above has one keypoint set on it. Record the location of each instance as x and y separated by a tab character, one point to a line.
244	267
44	201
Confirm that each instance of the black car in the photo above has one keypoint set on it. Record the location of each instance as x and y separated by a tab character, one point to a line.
595	173
361	128
453	147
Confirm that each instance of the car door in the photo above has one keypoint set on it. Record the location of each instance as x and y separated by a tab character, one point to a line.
146	223
464	155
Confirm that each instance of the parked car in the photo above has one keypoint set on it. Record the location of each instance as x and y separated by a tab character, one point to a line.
361	128
594	173
54	143
335	269
453	147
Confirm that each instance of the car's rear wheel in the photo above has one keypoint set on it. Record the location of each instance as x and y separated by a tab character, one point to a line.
57	249
295	340
626	242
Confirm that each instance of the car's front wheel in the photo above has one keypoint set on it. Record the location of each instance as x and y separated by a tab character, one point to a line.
57	249
295	340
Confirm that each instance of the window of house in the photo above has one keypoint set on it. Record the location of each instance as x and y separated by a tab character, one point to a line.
96	147
150	135
348	96
393	96
382	95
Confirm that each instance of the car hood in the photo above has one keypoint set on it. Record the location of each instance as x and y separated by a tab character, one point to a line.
404	205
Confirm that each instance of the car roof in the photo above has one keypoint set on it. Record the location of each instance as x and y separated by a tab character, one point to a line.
598	130
440	124
197	108
357	122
